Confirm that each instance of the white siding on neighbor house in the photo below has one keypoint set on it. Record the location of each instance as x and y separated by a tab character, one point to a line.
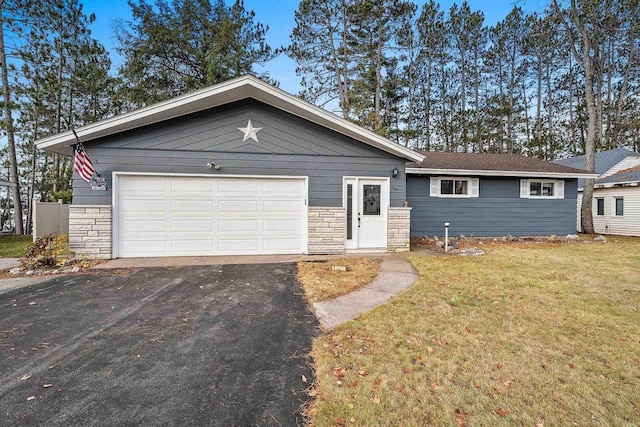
628	162
609	223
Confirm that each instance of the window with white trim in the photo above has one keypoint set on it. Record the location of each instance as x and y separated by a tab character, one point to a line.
454	187
541	189
600	206
618	206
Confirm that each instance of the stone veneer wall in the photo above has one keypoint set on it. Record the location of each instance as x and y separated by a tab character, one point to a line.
398	229
326	230
90	230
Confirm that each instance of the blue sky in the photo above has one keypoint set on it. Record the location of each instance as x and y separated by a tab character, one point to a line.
279	16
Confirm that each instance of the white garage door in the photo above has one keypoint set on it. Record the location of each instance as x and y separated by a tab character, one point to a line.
188	216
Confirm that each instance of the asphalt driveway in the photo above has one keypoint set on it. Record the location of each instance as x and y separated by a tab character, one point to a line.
205	345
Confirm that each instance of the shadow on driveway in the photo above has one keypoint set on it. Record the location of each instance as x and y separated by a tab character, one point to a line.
206	345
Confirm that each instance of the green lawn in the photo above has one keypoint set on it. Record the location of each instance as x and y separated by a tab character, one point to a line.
531	335
12	246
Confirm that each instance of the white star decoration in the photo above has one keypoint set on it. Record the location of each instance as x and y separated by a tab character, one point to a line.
250	132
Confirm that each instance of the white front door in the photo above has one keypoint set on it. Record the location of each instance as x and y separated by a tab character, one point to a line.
367	202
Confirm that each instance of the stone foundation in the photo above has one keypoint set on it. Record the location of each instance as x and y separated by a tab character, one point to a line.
326	230
90	230
398	230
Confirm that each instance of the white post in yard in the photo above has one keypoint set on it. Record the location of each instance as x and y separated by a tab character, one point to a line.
446	237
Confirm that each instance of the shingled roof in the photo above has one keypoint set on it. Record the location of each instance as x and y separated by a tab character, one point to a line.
491	164
624	176
605	160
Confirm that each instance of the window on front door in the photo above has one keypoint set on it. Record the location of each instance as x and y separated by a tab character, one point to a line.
371	200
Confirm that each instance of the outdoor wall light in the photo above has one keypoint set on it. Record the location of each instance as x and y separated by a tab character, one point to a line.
212	165
394	172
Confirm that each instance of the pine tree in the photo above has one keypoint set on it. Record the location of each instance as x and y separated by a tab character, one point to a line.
177	47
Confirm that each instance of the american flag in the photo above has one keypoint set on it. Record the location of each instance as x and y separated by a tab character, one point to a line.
82	163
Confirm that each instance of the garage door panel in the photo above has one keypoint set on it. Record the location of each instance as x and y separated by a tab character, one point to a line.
281	225
192	185
239	206
164	216
140	247
282	187
143	226
235	186
138	205
192	225
236	225
282	244
192	206
191	246
237	245
143	185
282	206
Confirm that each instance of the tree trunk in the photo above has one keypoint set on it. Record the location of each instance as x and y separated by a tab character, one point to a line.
586	210
11	144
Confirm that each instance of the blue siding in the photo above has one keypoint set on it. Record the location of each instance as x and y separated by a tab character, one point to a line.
497	211
289	145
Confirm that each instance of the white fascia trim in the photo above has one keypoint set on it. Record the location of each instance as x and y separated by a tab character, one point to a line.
236	89
616	184
202	175
464	172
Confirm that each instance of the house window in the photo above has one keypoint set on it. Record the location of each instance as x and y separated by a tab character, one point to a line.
454	187
458	187
541	189
619	206
600	206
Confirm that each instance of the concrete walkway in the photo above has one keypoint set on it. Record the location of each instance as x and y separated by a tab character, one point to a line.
12	283
395	275
222	260
7	263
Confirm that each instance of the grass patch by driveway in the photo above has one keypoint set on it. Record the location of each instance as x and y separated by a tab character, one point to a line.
14	246
320	282
538	334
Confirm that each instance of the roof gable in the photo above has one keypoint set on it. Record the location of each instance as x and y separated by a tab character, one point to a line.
217	130
224	93
625	176
605	160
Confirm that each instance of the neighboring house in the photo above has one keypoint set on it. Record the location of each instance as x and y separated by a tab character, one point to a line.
491	195
616	195
243	168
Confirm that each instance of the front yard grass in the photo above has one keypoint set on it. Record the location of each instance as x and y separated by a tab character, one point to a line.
14	246
321	283
532	335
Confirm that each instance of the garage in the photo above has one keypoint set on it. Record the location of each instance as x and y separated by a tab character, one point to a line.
169	215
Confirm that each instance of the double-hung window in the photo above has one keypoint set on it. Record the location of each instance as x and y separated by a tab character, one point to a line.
454	187
600	206
618	206
541	189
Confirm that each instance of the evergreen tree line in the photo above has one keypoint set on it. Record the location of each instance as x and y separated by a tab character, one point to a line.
563	81
435	79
